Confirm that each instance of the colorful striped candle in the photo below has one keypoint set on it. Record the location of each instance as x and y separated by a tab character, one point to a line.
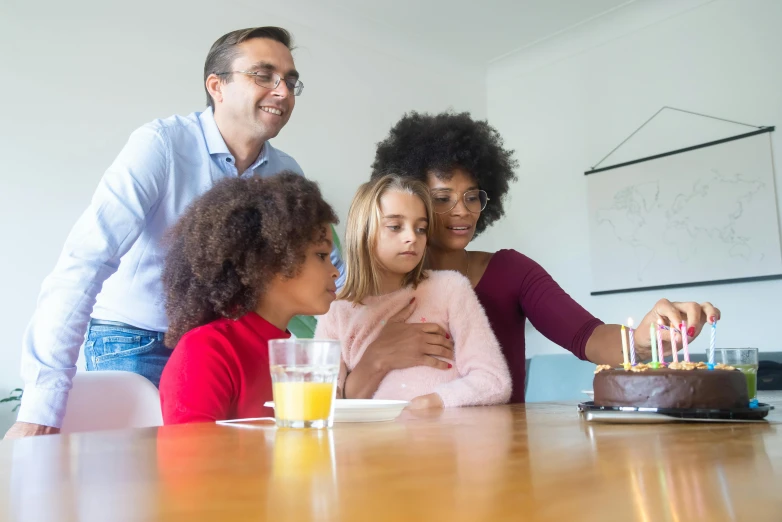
660	348
674	348
685	344
713	341
626	362
632	340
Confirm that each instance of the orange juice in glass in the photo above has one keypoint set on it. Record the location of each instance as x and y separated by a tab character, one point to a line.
304	380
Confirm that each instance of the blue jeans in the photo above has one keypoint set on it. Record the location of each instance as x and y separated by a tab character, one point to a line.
117	346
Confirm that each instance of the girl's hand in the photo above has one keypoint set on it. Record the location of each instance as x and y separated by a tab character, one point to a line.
672	314
431	400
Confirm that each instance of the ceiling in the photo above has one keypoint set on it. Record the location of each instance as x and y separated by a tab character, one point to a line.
476	31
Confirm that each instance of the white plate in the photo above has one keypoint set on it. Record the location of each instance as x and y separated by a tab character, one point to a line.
363	410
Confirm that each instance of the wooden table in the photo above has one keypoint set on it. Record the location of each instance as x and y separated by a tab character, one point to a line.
533	462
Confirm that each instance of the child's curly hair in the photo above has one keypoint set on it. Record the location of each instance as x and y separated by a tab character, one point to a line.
232	240
420	143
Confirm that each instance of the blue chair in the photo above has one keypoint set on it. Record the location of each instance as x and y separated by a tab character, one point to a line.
560	377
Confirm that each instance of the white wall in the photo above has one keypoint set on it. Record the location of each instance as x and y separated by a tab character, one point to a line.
565	104
80	76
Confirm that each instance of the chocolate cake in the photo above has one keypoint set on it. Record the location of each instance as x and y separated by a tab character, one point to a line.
689	386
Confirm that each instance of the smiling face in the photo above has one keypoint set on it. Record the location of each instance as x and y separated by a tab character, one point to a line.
454	229
260	111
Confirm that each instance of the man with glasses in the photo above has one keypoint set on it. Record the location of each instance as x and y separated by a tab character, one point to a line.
107	282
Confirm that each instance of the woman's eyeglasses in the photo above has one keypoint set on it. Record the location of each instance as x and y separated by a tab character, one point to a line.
474	201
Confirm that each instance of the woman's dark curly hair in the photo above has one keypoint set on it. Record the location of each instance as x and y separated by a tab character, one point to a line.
423	143
232	240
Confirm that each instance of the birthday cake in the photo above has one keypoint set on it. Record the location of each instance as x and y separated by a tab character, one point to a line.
682	385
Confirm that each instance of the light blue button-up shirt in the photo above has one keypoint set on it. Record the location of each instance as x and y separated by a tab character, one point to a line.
112	262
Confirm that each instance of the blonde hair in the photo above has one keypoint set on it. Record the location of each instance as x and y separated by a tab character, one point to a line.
363	274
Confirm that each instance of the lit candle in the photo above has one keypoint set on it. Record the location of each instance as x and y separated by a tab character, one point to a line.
626	363
632	340
685	344
653	342
660	348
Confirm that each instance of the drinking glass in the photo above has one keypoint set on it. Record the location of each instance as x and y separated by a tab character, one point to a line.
744	359
304	380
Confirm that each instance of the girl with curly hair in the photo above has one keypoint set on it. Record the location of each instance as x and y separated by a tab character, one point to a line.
385	243
244	259
468	172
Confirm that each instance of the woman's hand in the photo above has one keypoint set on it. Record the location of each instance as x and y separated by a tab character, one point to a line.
672	314
403	345
399	345
426	402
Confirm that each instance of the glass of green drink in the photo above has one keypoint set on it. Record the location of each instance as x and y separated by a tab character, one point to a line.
744	359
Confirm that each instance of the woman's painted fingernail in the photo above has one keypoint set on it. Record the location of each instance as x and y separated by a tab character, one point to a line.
691	331
712	319
450	366
447	336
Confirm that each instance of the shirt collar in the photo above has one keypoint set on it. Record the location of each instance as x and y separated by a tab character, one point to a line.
263	157
215	143
263	328
214	140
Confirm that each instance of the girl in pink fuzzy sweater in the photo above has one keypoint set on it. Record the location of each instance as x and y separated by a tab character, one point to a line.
386	237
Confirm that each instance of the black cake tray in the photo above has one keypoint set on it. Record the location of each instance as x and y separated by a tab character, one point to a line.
749	414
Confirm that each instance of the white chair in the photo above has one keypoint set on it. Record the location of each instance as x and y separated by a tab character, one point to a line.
110	400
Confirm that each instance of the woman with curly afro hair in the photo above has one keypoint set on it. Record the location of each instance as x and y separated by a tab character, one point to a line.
469	171
245	258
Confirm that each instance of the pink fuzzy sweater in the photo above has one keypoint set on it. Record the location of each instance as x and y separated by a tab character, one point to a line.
479	375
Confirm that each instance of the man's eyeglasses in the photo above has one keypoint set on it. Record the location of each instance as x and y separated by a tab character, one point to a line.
474	200
270	80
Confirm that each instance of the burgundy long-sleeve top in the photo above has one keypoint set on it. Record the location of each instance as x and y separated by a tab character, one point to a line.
514	288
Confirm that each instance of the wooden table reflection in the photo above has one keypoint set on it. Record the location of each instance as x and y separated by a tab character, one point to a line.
533	462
